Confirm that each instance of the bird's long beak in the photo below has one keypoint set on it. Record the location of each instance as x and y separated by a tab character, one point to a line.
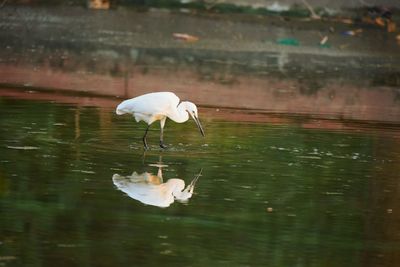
199	125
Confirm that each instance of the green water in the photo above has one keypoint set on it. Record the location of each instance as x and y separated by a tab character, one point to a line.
269	194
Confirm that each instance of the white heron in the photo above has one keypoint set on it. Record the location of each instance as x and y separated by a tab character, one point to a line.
158	106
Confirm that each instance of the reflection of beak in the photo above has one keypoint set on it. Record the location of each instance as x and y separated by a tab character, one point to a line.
190	188
199	125
193	182
188	191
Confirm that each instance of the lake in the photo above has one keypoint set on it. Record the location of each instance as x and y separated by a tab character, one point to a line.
77	189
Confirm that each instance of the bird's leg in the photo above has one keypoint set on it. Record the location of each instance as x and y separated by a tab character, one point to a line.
161	140
162	123
146	147
160	166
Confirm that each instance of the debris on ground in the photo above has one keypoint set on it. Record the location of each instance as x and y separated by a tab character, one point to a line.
391	26
346	21
288	41
324	40
185	37
380	16
313	15
99	4
353	32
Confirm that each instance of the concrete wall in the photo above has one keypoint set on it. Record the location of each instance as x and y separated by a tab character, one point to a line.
336	4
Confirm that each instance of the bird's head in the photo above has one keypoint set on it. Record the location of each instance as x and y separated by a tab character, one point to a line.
121	108
183	195
192	110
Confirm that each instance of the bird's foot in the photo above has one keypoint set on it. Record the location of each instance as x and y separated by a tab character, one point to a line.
162	145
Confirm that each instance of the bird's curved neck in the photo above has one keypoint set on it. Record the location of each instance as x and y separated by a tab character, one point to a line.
180	114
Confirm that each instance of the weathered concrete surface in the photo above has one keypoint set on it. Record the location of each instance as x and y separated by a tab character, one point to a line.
320	7
236	63
337	4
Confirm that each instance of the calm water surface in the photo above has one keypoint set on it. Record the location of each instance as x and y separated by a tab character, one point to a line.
74	182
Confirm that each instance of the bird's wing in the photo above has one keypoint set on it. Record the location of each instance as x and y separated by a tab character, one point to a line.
151	104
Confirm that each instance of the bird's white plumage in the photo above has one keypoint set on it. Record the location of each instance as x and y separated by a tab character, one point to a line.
158	106
150	107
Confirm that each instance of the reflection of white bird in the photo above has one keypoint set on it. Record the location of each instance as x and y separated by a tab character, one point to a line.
158	106
150	189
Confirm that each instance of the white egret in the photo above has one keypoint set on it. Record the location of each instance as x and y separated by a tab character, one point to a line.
158	106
